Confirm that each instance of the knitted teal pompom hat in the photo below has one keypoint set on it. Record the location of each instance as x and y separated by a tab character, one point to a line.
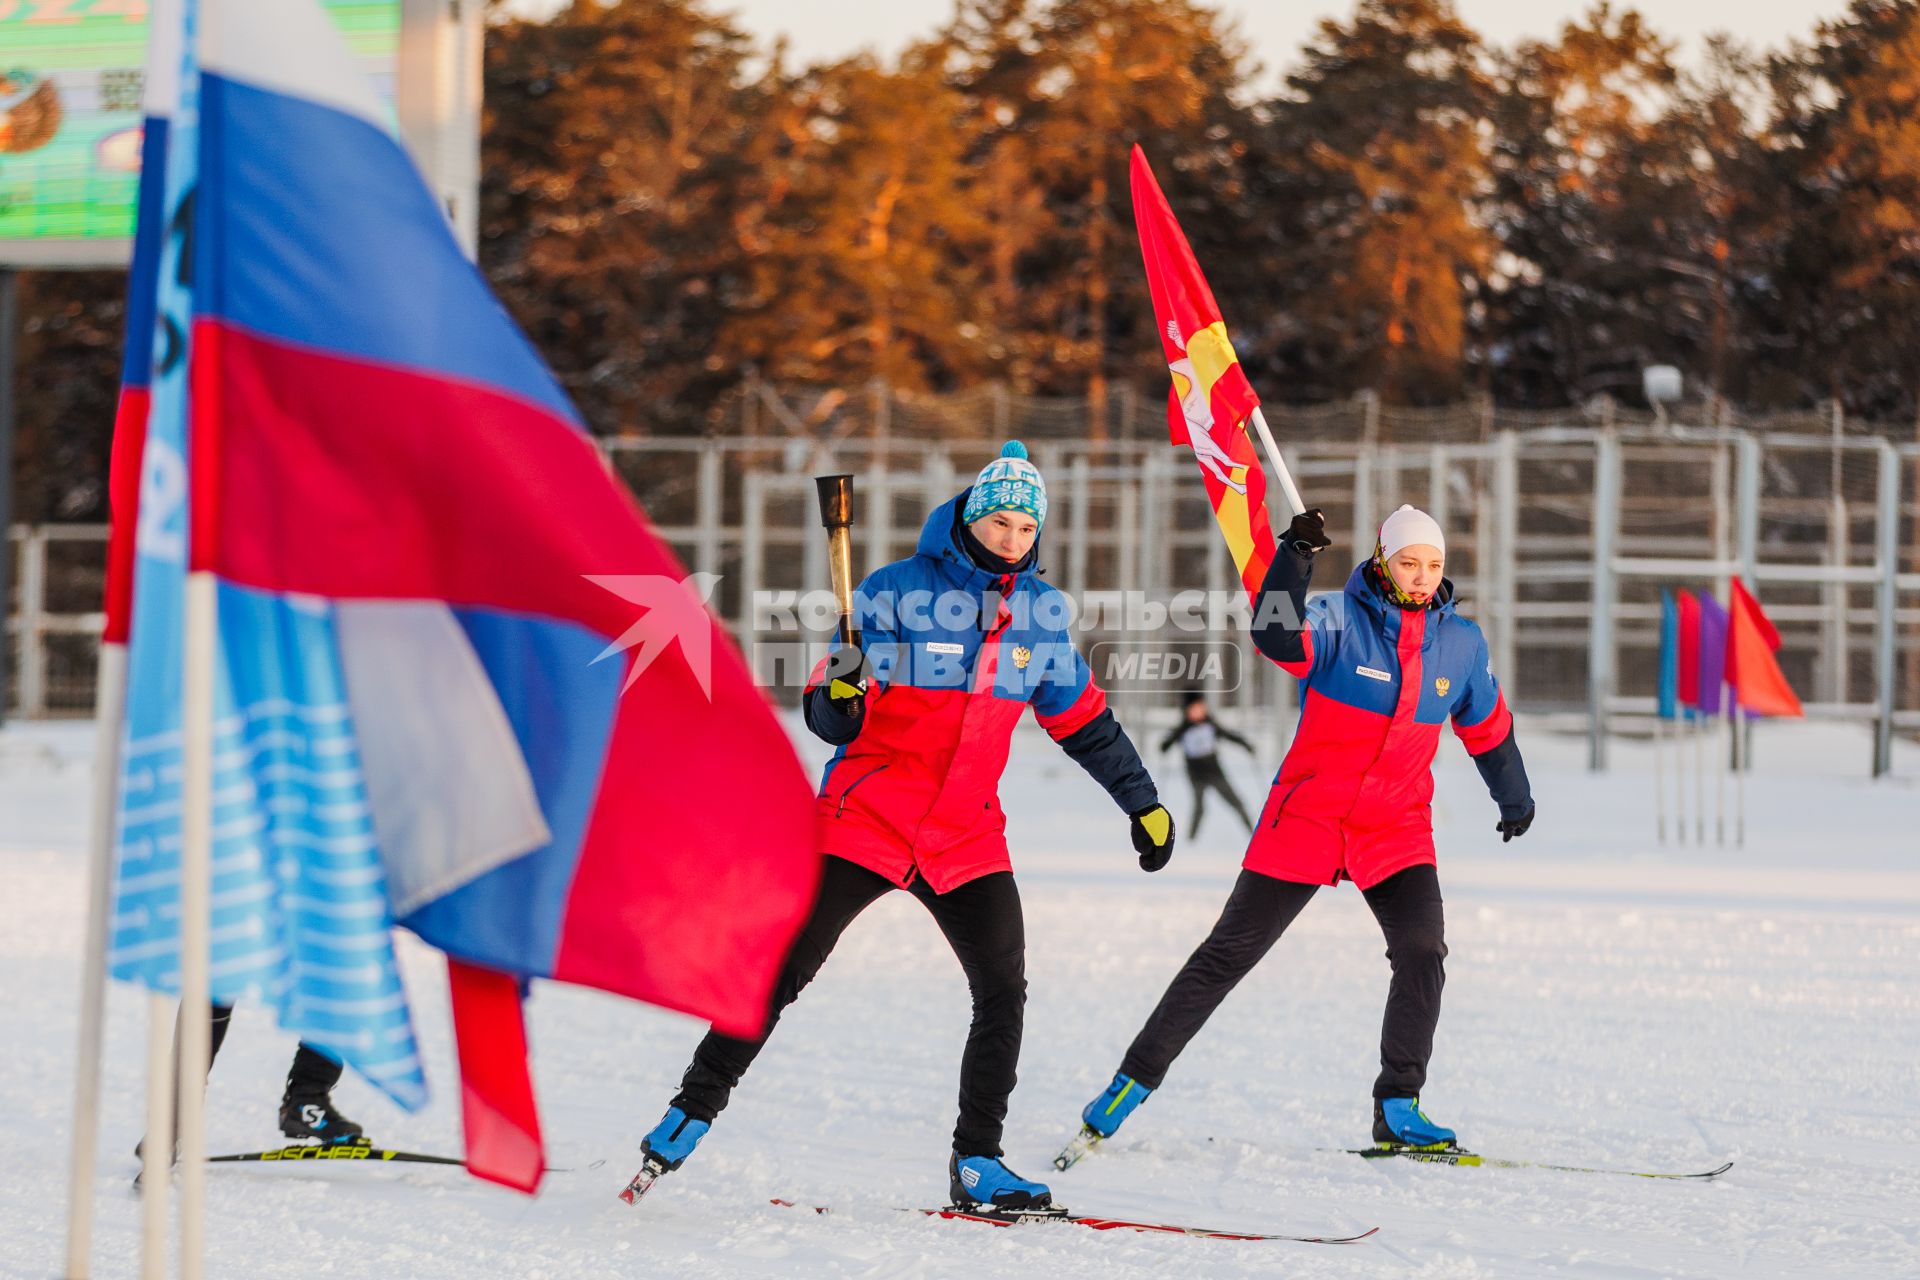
1009	483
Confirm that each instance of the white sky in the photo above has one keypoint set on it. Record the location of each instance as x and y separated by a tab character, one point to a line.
825	29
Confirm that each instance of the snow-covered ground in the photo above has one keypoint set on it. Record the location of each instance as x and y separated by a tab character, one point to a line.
1609	1003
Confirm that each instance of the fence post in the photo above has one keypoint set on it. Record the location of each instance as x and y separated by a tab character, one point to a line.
1439	501
1365	526
1152	536
1081	487
1721	479
707	506
753	550
1747	506
1887	556
1600	656
1506	551
33	623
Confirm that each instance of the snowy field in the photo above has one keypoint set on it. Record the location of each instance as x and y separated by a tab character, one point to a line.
1608	1003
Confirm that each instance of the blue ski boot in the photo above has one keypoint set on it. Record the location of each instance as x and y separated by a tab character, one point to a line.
1102	1118
1399	1122
665	1149
984	1185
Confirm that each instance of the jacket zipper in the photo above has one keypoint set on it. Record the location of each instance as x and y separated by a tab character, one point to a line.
1283	802
848	790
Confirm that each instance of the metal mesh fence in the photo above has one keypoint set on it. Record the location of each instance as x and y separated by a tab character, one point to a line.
1827	525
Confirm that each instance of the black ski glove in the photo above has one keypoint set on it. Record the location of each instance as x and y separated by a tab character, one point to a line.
1308	531
847	676
1513	828
1152	836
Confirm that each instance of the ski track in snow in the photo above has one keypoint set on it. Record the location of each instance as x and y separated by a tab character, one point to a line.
1609	1003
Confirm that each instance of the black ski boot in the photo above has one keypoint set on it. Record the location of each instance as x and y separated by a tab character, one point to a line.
314	1118
307	1113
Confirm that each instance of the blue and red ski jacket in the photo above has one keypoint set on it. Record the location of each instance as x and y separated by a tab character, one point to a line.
957	653
1353	798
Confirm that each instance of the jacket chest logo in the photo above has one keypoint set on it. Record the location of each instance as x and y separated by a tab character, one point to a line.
937	646
1372	673
1022	656
1441	684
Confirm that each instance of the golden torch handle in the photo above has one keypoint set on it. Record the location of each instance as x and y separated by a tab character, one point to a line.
836	513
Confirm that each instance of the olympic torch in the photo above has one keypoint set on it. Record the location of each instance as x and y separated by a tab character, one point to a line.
836	513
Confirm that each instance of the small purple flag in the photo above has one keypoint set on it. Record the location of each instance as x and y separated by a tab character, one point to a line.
1713	654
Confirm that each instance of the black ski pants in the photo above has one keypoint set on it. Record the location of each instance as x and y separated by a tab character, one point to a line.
982	923
1205	773
312	1075
1408	907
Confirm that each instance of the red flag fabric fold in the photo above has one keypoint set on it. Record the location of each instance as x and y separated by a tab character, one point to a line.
497	1106
1759	686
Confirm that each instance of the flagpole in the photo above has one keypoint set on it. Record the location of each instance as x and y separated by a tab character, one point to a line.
1699	782
1719	784
110	705
156	1172
1739	778
196	858
1278	463
1660	776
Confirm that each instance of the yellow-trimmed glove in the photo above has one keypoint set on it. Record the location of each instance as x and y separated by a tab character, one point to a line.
1152	836
846	676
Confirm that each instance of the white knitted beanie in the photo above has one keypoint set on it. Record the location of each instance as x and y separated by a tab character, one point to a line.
1410	527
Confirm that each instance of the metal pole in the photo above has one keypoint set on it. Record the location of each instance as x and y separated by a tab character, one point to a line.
1365	526
31	673
1699	780
9	354
1659	777
1600	656
1887	555
1506	553
437	100
1438	499
1079	524
710	478
1747	505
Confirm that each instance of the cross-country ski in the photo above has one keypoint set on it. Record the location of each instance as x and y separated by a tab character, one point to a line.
1015	1217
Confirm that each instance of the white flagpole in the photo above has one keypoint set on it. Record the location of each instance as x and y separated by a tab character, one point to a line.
196	859
1660	775
110	705
1680	776
1739	776
156	1170
1278	463
1720	783
1699	782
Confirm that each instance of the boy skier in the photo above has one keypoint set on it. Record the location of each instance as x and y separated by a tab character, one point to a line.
1382	665
956	641
1198	735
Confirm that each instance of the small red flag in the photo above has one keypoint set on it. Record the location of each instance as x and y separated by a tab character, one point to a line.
1689	673
1758	684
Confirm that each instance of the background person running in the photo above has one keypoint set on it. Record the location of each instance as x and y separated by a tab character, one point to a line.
1198	736
910	800
1383	664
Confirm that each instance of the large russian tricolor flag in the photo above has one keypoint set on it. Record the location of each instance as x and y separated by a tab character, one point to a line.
374	442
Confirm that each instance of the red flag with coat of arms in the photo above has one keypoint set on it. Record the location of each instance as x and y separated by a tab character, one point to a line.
1211	399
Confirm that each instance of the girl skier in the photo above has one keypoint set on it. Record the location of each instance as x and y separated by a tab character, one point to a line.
1382	664
956	641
